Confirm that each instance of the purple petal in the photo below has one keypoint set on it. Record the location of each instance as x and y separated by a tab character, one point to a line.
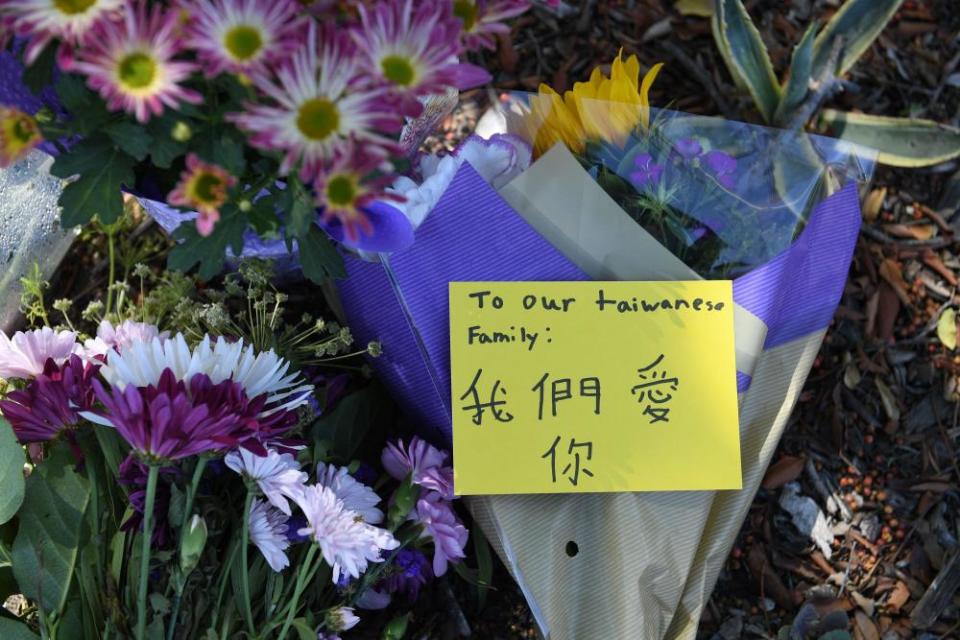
689	148
468	76
642	160
720	163
391	230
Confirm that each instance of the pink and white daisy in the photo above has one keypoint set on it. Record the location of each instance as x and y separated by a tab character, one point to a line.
348	186
203	187
317	108
483	20
277	474
44	20
341	619
241	36
117	338
356	496
18	134
131	62
414	50
25	354
348	544
268	530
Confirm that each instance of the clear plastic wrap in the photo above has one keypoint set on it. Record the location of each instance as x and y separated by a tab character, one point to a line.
670	197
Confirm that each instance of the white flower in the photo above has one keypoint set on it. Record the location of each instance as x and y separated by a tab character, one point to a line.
278	474
141	364
356	496
25	353
268	530
498	160
342	619
348	544
119	338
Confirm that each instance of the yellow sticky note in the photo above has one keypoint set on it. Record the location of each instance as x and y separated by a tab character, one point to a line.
567	387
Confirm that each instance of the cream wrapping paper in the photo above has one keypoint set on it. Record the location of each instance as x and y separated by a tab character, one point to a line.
646	563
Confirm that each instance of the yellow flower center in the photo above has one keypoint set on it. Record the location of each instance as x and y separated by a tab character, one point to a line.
398	70
467	11
24	130
137	71
318	118
341	191
208	188
243	42
73	7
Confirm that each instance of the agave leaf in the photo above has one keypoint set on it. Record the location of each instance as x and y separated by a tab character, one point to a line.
746	55
902	142
858	22
801	72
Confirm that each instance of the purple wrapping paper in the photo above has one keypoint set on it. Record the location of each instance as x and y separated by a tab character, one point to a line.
472	234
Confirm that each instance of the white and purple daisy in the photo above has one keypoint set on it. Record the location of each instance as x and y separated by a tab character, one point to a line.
317	107
413	50
348	544
242	36
268	530
44	20
131	62
277	474
356	496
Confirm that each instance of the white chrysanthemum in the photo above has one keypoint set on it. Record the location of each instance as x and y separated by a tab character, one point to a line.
342	619
278	474
142	363
120	337
347	542
268	530
356	496
24	354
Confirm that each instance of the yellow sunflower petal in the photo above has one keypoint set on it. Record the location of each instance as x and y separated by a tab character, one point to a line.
645	94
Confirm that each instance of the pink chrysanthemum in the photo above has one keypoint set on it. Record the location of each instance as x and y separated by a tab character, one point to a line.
483	20
43	20
317	108
414	50
131	63
347	187
18	134
242	36
203	187
25	353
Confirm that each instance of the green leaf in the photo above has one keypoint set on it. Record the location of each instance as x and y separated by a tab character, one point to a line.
296	200
801	72
304	631
13	630
746	55
396	629
858	22
87	111
902	142
51	519
211	251
484	566
346	427
40	74
11	472
319	258
223	146
132	138
102	169
8	584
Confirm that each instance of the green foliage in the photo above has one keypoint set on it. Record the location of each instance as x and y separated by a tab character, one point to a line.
11	472
342	432
319	258
102	169
51	519
210	251
132	139
816	61
13	630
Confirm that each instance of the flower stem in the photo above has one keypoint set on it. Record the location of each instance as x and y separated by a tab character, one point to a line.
245	578
298	591
111	248
145	553
192	493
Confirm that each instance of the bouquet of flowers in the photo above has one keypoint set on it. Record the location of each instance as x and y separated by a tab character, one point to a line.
596	184
174	466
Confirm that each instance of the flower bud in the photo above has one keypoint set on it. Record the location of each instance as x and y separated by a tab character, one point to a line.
192	541
181	131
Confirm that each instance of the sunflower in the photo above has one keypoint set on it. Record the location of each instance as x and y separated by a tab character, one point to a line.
603	108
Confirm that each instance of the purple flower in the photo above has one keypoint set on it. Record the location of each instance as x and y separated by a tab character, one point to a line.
441	525
168	422
688	148
483	20
426	465
647	173
410	571
50	404
723	166
294	525
133	474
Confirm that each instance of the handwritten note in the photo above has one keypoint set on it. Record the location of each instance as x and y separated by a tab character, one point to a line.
564	387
